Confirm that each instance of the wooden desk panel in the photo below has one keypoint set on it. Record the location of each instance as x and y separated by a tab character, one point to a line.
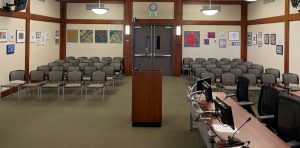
146	98
258	134
295	93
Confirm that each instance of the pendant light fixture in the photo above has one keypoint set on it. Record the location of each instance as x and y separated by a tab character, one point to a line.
100	9
209	11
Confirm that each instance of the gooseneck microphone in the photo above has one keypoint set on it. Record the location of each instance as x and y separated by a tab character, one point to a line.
232	141
146	50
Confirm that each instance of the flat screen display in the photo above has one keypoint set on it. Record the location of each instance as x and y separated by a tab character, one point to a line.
10	49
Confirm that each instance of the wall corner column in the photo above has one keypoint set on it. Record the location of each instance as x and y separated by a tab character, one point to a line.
244	28
63	28
177	41
128	39
287	37
27	41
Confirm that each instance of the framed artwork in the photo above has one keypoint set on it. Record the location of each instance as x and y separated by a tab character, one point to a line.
38	35
47	35
254	39
86	36
20	36
249	39
259	43
56	41
259	34
235	43
273	39
234	36
3	35
38	42
191	38
11	37
32	37
222	43
100	36
115	36
43	39
279	49
211	35
266	38
57	33
72	36
222	35
206	41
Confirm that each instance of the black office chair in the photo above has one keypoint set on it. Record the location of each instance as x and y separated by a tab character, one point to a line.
242	94
267	106
288	120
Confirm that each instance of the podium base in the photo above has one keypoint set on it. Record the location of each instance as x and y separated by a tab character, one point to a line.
146	124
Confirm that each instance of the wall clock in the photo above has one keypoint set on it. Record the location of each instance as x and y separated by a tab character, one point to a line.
153	7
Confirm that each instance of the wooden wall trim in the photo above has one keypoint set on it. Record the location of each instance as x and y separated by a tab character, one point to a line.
192	2
244	28
209	22
94	1
294	17
93	21
44	18
287	37
27	41
154	0
63	30
13	14
268	20
155	21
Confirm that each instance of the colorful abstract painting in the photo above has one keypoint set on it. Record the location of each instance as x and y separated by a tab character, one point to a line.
115	36
192	39
72	36
206	41
100	36
211	34
86	36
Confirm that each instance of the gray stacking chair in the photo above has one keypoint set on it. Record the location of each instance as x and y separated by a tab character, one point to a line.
61	62
217	72
45	69
98	81
118	71
219	63
95	59
242	67
73	68
81	59
82	66
57	68
66	66
237	72
268	79
256	72
16	80
199	72
226	60
69	58
109	59
252	82
193	69
212	76
200	60
75	62
291	81
52	64
228	81
248	64
104	62
275	72
204	63
116	61
110	74
99	66
257	66
210	66
212	60
118	58
55	80
36	79
238	60
74	80
88	72
233	64
226	68
89	61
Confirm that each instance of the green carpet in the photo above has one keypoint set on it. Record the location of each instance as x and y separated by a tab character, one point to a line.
94	123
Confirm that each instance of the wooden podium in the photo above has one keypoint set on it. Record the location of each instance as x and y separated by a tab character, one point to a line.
146	98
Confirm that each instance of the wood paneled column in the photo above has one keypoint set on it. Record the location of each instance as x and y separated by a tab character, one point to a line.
287	37
244	28
27	40
177	39
63	28
128	39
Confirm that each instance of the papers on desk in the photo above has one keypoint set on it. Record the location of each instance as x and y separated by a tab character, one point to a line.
223	128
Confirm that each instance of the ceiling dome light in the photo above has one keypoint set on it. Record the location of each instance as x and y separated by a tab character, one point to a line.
100	9
209	11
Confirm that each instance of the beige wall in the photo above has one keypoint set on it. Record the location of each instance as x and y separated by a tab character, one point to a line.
266	55
95	49
13	61
228	12
257	10
294	47
48	8
165	10
208	51
78	11
43	54
293	10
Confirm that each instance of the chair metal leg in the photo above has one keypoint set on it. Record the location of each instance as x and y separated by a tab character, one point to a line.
103	93
81	93
58	93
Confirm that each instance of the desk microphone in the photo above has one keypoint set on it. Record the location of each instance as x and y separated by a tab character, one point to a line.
232	141
146	50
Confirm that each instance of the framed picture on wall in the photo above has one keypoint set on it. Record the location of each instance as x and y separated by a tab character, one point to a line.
32	37
38	35
266	38
259	34
222	43
273	39
20	36
234	36
3	35
249	39
254	39
259	43
279	49
11	37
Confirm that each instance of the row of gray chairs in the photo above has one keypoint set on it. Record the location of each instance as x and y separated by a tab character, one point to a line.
93	59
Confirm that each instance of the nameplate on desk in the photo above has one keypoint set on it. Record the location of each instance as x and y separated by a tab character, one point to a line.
223	128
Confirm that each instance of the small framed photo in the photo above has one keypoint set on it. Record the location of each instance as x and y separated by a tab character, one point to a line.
3	35
259	34
273	39
11	37
234	36
249	39
43	39
57	33
38	35
259	43
20	36
222	43
47	35
254	39
279	49
32	37
266	38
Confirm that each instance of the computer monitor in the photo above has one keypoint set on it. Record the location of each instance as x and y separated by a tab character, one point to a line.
225	112
200	85
20	5
207	91
10	49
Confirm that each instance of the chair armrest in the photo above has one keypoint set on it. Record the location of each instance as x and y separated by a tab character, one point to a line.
243	103
294	144
266	117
